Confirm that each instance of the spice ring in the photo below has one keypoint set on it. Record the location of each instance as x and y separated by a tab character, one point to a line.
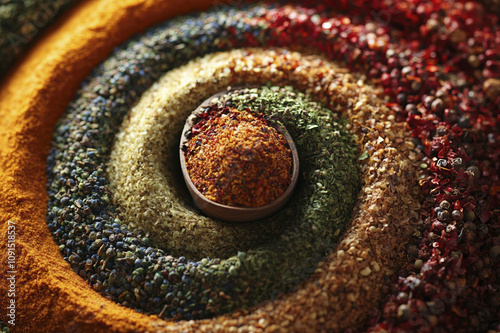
179	102
179	280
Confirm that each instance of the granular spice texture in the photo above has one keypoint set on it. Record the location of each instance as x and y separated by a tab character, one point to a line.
437	63
237	158
147	122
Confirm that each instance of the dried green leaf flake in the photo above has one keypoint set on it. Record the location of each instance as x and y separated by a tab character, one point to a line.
363	156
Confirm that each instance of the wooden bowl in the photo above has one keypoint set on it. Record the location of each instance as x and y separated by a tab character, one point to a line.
232	213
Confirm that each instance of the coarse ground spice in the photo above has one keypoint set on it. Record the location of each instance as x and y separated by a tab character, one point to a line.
237	158
483	150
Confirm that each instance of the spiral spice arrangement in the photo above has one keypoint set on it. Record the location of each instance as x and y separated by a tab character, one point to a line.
393	226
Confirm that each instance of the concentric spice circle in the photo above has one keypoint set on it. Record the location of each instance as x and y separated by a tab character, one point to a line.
173	277
195	289
422	128
275	261
152	129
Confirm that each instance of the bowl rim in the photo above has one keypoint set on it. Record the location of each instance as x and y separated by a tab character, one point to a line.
228	213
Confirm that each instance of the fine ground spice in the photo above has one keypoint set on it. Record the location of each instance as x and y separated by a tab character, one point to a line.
237	158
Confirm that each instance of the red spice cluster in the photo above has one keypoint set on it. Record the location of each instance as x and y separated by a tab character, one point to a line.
439	64
237	158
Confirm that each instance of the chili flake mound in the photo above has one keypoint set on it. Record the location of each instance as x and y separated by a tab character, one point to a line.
238	158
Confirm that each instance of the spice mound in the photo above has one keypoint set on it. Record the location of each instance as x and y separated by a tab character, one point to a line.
237	158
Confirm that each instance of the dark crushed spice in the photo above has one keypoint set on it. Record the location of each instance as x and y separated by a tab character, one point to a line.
237	158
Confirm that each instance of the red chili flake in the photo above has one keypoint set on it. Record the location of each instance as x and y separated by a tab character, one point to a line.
432	69
237	158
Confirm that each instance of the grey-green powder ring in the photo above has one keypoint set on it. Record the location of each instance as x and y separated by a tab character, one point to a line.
124	266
